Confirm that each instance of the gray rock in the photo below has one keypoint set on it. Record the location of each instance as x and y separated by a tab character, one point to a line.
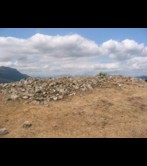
35	102
41	91
72	94
5	85
76	87
23	90
14	97
3	131
61	90
13	85
55	98
40	99
25	97
60	97
89	87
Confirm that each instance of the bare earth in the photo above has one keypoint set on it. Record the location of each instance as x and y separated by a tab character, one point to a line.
101	112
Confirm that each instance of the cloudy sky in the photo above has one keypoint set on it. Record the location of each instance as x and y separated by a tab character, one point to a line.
74	51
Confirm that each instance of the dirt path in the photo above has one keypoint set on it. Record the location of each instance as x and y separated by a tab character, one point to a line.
102	112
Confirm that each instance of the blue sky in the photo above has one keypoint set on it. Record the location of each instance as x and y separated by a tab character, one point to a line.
75	51
97	34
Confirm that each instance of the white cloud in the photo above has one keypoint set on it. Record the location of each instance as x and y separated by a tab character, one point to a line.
138	63
70	54
124	50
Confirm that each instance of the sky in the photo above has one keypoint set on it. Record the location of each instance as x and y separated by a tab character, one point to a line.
45	52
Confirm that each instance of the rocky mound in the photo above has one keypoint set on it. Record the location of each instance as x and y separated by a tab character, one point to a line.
42	91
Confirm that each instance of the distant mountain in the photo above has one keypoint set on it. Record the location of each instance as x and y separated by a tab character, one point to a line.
142	77
8	74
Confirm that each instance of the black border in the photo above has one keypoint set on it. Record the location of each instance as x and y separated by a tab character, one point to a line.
76	18
74	14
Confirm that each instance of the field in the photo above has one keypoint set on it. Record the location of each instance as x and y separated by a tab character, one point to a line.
99	113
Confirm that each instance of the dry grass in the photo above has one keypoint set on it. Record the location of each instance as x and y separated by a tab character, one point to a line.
102	112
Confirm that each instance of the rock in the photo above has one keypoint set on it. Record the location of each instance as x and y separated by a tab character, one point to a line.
55	98
25	97
35	102
26	124
120	85
51	84
23	90
3	131
76	87
61	90
44	93
25	82
40	91
89	87
60	97
13	84
40	99
5	85
14	97
72	94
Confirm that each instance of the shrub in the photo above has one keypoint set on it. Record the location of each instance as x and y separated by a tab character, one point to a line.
101	74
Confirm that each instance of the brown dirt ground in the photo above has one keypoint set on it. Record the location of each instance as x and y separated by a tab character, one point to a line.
100	113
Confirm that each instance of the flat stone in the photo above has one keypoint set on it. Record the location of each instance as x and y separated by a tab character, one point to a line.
89	87
25	97
23	90
60	97
120	85
14	97
3	131
72	94
13	84
55	98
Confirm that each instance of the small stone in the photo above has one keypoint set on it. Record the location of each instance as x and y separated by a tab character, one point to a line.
44	93
35	102
72	94
14	97
40	99
61	90
25	97
25	82
89	87
51	84
55	98
5	85
3	131
76	87
26	124
83	89
60	97
45	103
13	85
23	90
38	91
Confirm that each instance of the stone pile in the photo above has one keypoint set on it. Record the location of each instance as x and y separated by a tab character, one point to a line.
42	91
